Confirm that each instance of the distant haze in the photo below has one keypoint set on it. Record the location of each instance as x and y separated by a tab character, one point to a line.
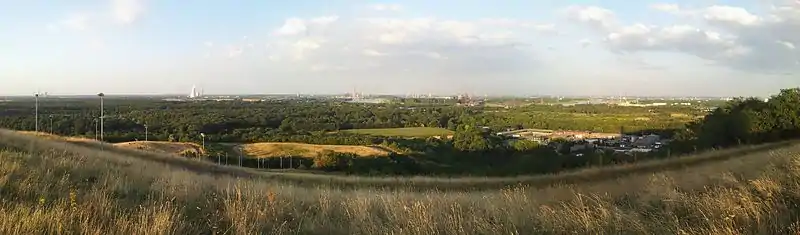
645	48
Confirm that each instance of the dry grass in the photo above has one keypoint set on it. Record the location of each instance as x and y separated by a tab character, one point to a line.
264	150
57	137
51	187
164	147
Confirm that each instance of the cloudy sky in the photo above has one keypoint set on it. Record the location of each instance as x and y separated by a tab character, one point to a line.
525	47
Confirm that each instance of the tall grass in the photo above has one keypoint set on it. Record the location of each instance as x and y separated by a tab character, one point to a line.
58	188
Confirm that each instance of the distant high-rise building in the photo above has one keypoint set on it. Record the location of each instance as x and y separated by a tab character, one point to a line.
194	93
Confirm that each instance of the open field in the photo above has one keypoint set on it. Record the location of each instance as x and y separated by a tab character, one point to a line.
179	148
266	150
403	132
56	187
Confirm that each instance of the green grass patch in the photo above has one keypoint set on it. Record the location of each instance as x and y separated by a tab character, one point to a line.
403	132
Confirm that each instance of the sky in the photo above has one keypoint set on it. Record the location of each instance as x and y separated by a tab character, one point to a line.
500	47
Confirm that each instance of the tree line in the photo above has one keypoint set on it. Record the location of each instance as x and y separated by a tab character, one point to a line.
745	121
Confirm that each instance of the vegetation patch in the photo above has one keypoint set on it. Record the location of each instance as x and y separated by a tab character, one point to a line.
403	132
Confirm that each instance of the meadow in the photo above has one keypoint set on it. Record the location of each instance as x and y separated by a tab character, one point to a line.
56	187
267	150
403	132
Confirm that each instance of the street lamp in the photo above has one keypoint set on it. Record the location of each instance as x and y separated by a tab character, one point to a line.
36	97
203	135
51	124
102	116
145	132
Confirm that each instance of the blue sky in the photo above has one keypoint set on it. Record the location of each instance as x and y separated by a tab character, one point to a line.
612	47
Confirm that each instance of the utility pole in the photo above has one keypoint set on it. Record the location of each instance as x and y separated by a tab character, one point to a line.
36	97
102	117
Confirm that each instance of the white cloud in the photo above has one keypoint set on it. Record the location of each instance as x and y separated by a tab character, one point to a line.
324	67
324	20
235	51
788	45
75	21
300	48
728	14
667	7
386	7
598	17
545	27
370	52
297	26
127	11
724	35
292	26
585	43
391	43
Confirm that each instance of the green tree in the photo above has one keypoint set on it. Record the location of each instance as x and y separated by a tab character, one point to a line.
471	139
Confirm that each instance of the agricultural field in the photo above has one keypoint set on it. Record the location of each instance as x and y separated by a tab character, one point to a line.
750	190
268	150
403	132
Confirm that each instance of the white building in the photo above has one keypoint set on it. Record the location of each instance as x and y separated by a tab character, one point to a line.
195	94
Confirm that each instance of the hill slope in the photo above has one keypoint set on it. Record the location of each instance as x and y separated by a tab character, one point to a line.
50	187
178	148
265	150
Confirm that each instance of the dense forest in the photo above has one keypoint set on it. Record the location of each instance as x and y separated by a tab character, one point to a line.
472	150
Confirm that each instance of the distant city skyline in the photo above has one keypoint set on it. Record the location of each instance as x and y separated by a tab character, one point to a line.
512	47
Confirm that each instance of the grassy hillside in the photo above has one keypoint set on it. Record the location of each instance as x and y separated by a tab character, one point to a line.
45	135
178	148
263	150
403	132
50	186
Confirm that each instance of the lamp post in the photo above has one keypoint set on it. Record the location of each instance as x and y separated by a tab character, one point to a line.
145	132
102	117
51	124
203	136
36	97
